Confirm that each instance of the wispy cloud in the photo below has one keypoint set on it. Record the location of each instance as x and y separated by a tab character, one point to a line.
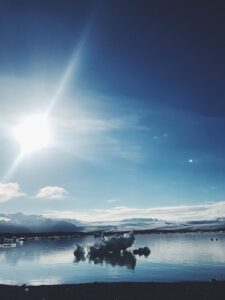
171	213
99	136
112	201
123	149
9	191
92	124
51	193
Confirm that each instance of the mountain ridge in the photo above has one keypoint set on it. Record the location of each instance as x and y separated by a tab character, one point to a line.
22	223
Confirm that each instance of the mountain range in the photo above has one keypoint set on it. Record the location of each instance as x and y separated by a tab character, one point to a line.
21	223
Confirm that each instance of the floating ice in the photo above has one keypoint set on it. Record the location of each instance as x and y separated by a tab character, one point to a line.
113	244
142	251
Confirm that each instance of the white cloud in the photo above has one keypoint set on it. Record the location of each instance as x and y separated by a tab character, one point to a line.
52	193
9	190
112	200
181	213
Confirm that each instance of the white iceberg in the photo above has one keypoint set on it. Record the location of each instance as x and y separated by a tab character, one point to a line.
114	244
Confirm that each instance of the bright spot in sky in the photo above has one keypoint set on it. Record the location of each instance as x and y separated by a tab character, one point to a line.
190	160
33	133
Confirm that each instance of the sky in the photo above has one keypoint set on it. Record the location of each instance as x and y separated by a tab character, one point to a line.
133	96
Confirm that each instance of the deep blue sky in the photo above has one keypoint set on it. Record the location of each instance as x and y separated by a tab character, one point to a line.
140	120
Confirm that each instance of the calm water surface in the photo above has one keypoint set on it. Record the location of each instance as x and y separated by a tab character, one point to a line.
174	257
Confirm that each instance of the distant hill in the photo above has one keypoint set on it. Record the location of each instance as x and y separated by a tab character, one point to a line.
15	223
10	228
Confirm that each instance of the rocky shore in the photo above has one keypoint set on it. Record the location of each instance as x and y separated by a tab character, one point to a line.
118	291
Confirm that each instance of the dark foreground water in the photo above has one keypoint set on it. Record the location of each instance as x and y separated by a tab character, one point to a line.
174	257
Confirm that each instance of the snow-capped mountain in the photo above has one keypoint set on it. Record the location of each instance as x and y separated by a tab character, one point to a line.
21	223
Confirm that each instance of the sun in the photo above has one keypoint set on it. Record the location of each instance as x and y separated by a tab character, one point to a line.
33	133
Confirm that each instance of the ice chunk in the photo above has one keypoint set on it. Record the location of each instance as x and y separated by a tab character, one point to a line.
113	244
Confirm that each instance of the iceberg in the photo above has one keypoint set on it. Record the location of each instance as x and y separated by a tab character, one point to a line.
114	244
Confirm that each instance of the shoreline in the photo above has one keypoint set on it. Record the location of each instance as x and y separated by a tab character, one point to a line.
107	233
118	291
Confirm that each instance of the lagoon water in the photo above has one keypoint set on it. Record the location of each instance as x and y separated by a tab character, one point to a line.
174	257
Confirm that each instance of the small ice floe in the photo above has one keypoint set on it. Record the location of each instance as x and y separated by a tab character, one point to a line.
114	244
9	245
142	251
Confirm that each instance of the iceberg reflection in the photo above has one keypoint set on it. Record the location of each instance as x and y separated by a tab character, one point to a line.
122	259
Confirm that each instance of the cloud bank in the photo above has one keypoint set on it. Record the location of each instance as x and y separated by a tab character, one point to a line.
180	213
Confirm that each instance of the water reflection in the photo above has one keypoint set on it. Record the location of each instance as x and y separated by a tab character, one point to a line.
79	253
122	259
43	250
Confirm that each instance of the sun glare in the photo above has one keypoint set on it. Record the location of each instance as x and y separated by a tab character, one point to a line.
33	133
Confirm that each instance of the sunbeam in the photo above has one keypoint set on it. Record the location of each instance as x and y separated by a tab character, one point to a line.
69	69
12	168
